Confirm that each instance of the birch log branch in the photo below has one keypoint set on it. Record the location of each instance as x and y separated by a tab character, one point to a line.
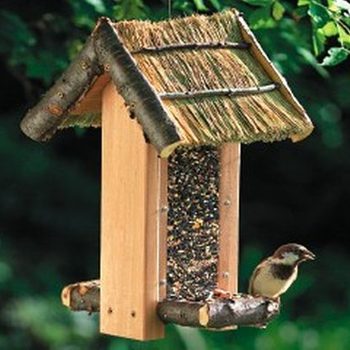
82	296
138	94
220	313
42	121
240	310
103	52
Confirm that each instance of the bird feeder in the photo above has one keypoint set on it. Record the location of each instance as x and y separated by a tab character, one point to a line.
175	99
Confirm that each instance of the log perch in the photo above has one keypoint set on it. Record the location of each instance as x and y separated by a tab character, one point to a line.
82	296
240	310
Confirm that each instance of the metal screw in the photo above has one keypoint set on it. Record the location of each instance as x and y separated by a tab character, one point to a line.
225	274
164	209
227	202
133	313
110	310
162	282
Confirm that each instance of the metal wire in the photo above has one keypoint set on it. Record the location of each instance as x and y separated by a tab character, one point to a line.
169	8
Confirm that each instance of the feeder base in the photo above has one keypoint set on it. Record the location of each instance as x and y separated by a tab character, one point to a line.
240	310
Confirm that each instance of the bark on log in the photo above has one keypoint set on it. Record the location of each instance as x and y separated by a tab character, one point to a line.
139	95
240	310
42	121
220	313
82	296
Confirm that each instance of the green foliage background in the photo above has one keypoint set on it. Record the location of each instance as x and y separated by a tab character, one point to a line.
49	199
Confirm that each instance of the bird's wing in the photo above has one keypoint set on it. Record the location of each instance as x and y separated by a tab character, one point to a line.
253	276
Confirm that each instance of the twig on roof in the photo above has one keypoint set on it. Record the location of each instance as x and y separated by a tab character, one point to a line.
219	92
193	46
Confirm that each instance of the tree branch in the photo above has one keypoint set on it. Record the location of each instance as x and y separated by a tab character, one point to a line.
193	46
219	92
103	51
42	121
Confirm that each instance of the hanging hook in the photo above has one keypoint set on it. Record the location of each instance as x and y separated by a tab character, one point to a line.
169	8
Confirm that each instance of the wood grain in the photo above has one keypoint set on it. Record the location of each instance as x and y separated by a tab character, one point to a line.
91	101
163	221
229	217
129	226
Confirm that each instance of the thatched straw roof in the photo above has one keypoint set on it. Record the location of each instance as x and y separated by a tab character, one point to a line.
208	75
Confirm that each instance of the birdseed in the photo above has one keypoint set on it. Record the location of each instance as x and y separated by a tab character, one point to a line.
193	222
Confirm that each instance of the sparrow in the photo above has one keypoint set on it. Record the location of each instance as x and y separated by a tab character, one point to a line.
274	275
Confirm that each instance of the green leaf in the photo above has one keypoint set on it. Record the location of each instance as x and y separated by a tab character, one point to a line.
332	6
330	29
263	3
318	41
98	5
311	60
319	14
14	33
300	12
200	5
85	14
129	9
183	6
335	56
277	10
216	4
38	67
344	36
342	4
261	18
303	2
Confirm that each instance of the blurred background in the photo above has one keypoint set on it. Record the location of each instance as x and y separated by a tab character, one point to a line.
49	198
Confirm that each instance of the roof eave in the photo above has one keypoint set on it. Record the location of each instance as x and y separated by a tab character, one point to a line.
272	71
139	95
103	52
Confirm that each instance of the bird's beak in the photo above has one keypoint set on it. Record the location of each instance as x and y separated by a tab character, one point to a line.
307	255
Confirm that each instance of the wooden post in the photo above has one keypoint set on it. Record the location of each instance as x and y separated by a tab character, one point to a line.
229	217
131	224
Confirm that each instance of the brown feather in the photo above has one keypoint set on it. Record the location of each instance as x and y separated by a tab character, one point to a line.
253	276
